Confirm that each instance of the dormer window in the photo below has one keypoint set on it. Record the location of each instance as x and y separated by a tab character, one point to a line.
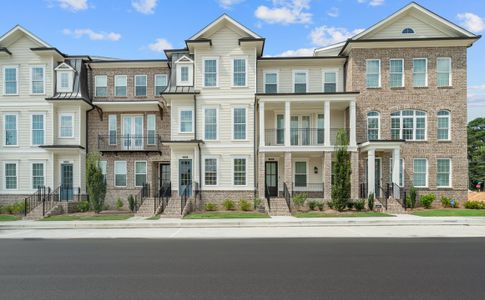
185	71
407	30
65	78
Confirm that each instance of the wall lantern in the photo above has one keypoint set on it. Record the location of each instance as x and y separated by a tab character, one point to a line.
315	170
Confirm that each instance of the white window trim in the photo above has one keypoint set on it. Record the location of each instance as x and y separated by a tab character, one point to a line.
306	79
190	74
60	123
135	85
402	73
114	173
245	58
32	173
154	116
401	125
216	58
135	173
426	175
232	124
307	173
96	86
217	122
217	170
70	75
245	170
378	117
32	126
126	85
182	109
16	67
271	71
450	175
425	73
31	79
380	74
329	70
449	126
403	170
450	77
155	82
16	162
4	136
115	129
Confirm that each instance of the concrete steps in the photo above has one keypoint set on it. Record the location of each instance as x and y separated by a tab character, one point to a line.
36	213
146	209
173	209
279	207
394	207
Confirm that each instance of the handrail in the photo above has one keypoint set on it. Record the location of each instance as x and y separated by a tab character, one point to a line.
183	197
142	194
164	194
287	195
267	196
34	200
383	200
107	142
398	193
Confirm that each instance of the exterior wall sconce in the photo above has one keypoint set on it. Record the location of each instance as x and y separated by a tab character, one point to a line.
315	170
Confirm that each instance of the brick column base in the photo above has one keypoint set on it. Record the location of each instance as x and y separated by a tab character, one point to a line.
354	177
288	175
327	176
261	170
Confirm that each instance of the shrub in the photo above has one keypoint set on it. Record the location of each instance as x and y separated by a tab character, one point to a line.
413	196
475	205
320	205
312	204
245	205
342	171
445	202
2	209
258	202
299	200
83	206
359	204
454	203
370	201
131	203
95	183
427	200
408	202
350	205
210	206
228	204
330	204
119	203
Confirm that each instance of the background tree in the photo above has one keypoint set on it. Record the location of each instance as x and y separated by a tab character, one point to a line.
476	151
96	185
341	183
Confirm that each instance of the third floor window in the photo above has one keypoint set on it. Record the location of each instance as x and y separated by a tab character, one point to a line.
140	85
37	77
373	73
396	73
101	85
420	72
120	85
10	80
160	83
210	72
443	71
239	72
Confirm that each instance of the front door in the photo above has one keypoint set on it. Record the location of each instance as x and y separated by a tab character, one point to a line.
185	176
132	132
66	182
271	178
165	187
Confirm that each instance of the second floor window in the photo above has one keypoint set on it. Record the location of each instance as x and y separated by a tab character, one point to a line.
10	80
186	120
408	125
329	82
443	71
210	123
300	82
373	73
443	125
112	129
101	85
210	72
239	72
239	123
271	82
10	127
37	83
66	125
140	85
121	82
37	129
373	126
396	73
160	83
151	129
420	72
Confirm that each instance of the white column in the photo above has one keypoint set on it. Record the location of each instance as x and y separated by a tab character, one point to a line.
287	123
352	116
371	169
262	136
327	123
396	164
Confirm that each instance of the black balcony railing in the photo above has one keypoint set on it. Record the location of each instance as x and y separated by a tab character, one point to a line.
117	143
301	136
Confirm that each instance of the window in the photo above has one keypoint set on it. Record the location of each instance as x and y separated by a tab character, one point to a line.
239	72
151	130
330	82
64	81
37	79
112	128
10	80
38	129
373	126
101	86
300	174
120	173
37	175
140	85
420	170
373	73
184	74
186	117
299	81
420	72
121	82
443	172
401	171
408	125
271	82
210	171
239	123
443	71
10	125
396	73
160	83
66	125
103	165
210	72
11	171
239	171
407	31
444	125
210	124
140	173
321	128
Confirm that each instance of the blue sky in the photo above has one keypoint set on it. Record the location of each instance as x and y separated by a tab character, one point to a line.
139	29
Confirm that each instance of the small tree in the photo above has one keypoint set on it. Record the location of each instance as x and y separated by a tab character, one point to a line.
96	184
413	195
370	201
341	183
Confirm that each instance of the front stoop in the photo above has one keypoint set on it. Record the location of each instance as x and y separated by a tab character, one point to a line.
173	209
36	213
146	209
394	207
279	207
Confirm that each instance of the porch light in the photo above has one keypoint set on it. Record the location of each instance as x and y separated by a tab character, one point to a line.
315	170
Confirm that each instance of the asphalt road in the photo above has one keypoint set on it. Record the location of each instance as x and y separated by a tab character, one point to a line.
243	269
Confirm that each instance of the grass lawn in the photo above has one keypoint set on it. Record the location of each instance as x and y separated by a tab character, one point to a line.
226	215
4	218
450	213
316	214
156	217
100	217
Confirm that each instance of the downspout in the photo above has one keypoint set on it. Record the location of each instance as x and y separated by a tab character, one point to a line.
87	112
345	74
199	148
255	148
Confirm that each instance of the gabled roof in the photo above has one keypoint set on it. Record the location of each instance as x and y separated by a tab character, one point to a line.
184	59
224	18
19	29
64	67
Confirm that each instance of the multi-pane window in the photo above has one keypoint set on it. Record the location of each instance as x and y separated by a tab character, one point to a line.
271	82
10	175
184	74
321	128
443	71
239	171
329	82
443	125
408	125
186	121
420	171
10	128
239	123
239	72
37	175
373	73
396	73
103	166
38	129
420	72
66	125
120	173
37	77
121	82
112	129
64	81
151	130
210	171
10	80
160	83
300	81
210	72
401	171
373	126
280	129
443	172
140	173
101	85
210	123
140	85
300	174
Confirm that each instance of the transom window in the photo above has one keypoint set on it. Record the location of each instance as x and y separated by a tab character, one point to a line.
210	72
420	72
120	173
443	125
160	83
408	125
37	74
121	82
239	68
210	123
140	85
186	123
396	73
407	30
239	123
10	80
10	128
300	174
271	82
443	172
37	175
10	175
329	81
140	173
101	83
443	71
38	129
239	171
373	125
66	125
300	81
210	171
420	171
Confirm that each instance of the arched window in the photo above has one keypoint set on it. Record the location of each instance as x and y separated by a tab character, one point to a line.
443	125
373	126
408	125
407	30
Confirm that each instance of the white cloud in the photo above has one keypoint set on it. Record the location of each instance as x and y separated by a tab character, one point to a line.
146	7
372	2
159	45
73	5
471	22
228	3
298	52
477	87
93	35
333	12
285	12
327	35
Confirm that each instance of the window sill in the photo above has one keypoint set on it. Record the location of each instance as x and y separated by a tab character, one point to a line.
444	188
448	87
210	87
374	88
420	87
397	88
444	141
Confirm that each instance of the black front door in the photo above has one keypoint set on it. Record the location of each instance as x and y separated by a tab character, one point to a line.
271	178
165	186
66	182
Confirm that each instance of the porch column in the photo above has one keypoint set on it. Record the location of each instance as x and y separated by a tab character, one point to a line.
352	123
371	169
288	177
262	135
261	177
354	176
327	175
396	166
326	121
287	123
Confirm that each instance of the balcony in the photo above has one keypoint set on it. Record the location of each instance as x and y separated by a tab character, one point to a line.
129	143
301	136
